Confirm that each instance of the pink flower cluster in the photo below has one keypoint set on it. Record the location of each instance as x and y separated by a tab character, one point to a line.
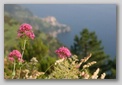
15	55
63	52
26	30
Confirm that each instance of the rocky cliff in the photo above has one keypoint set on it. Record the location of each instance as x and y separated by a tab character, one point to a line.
53	21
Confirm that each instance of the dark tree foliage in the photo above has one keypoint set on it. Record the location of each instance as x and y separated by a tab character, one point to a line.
88	43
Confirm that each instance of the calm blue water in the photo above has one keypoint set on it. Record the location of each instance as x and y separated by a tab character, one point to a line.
98	18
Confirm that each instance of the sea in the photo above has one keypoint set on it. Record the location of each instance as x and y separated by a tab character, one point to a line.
98	18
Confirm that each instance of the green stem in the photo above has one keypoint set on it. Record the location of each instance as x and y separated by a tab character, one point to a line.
13	73
23	49
21	69
48	68
19	72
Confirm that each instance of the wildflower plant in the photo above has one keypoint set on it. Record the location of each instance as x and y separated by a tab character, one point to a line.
63	52
25	32
15	56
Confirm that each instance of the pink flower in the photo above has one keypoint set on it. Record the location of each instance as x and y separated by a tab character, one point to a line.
20	60
25	30
11	59
30	34
63	52
25	27
15	55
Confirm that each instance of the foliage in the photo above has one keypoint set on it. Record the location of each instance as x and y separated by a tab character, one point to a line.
10	31
69	69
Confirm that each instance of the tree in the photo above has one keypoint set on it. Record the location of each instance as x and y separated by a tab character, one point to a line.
88	43
112	69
